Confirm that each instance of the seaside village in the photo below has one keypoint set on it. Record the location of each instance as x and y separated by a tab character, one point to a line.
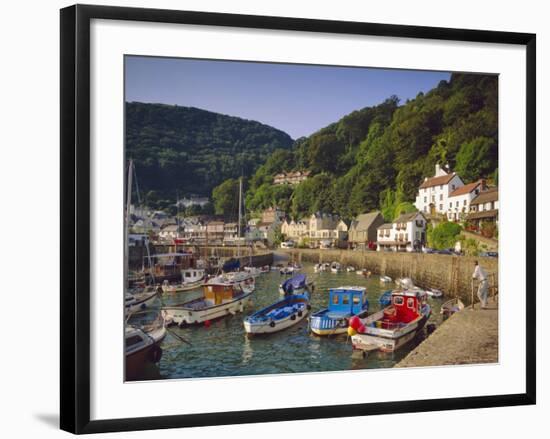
186	287
442	196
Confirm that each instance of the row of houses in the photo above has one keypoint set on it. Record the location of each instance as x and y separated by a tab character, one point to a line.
446	194
319	229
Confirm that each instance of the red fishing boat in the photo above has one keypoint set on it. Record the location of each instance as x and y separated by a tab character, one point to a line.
393	326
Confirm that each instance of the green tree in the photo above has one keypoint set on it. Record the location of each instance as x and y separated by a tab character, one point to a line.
226	198
476	158
444	235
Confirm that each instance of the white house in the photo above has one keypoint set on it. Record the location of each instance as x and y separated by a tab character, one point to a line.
459	200
169	232
323	227
433	193
295	230
484	207
408	232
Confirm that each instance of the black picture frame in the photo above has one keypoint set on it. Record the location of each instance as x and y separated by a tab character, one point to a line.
75	217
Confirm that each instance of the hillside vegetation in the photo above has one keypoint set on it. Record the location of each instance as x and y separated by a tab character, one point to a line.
376	157
184	151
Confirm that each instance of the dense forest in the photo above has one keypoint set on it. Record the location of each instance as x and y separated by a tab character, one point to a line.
376	157
187	151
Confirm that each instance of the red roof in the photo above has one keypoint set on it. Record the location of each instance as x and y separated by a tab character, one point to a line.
466	189
436	181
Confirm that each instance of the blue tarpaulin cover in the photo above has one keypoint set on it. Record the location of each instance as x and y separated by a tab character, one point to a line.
298	281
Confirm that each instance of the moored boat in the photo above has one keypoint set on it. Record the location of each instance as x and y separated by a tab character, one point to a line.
350	268
395	325
245	280
385	299
142	347
363	272
344	303
139	301
191	279
385	279
433	292
335	267
451	306
279	315
296	285
219	300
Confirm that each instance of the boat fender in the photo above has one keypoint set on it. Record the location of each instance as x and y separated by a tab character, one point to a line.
293	317
308	306
155	354
300	313
272	324
143	306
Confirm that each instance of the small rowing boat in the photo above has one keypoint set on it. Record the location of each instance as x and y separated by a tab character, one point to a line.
279	315
451	306
385	279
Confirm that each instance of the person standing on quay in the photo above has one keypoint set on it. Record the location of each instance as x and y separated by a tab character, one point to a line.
482	287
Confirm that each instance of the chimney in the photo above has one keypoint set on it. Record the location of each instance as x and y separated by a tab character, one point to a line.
437	169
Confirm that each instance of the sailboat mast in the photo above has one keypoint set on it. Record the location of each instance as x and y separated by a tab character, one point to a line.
127	224
239	223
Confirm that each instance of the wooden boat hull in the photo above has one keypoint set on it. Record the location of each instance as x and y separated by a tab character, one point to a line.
388	340
183	315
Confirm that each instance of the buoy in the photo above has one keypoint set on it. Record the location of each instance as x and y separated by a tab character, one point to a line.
354	322
351	331
207	323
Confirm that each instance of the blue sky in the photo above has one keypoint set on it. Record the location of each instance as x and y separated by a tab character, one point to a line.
298	99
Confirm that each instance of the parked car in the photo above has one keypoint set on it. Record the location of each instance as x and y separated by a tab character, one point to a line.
287	244
489	254
445	251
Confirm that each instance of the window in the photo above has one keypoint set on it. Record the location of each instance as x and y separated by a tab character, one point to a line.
345	299
453	187
187	274
457	204
450	205
398	300
410	303
441	187
335	300
465	202
441	207
356	299
425	199
425	209
440	197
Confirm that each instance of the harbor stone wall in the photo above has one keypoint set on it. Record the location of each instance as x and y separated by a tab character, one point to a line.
450	274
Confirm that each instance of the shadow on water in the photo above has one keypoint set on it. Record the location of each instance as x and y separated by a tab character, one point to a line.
223	349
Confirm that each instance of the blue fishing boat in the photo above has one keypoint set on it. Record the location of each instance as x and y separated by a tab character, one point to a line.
295	285
385	298
279	315
344	303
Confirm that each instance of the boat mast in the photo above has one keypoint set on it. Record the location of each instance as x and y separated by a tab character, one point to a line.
127	221
239	223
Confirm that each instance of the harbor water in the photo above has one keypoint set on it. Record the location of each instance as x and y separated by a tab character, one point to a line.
223	349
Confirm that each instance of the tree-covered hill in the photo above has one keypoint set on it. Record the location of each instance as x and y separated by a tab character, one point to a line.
187	150
375	158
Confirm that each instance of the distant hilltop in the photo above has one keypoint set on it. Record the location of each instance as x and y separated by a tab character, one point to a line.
186	150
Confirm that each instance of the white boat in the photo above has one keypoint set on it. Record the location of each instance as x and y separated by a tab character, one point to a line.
278	316
335	267
350	268
191	278
433	292
405	283
385	279
219	300
245	280
394	326
286	270
139	301
363	272
317	268
451	306
142	347
254	271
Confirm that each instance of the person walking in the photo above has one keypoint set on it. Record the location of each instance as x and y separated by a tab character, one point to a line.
482	287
